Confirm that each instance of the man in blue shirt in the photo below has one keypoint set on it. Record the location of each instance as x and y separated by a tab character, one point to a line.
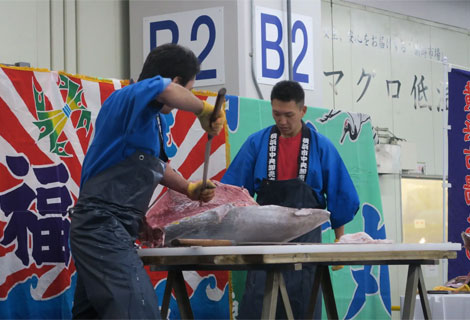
122	167
292	165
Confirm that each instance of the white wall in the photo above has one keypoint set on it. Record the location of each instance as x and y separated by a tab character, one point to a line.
451	12
27	39
77	36
410	51
103	38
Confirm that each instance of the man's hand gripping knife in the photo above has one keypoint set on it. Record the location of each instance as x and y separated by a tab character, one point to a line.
195	192
212	128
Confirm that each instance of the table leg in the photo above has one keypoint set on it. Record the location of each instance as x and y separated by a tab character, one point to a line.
322	277
275	283
270	295
423	295
328	295
410	291
167	294
182	296
314	294
285	297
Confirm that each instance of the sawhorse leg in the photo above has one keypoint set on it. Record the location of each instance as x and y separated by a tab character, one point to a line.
322	277
275	283
415	281
175	280
167	294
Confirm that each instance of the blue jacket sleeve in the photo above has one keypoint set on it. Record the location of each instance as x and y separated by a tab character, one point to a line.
341	195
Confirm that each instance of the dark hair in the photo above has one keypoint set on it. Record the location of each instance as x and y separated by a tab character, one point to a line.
287	90
170	61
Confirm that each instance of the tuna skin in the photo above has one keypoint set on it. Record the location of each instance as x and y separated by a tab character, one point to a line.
233	215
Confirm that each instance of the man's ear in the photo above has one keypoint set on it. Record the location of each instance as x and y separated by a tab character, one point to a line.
177	80
304	110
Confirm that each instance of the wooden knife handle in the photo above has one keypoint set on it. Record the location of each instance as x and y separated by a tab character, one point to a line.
219	101
201	242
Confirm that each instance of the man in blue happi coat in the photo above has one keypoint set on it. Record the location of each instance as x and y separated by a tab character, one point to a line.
292	165
124	164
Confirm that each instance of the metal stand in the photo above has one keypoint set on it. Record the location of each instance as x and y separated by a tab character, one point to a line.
415	281
175	280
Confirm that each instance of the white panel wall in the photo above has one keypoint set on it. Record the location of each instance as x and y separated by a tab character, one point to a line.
78	36
26	39
376	51
103	38
451	12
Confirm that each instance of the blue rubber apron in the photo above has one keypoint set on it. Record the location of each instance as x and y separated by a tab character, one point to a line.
111	280
293	193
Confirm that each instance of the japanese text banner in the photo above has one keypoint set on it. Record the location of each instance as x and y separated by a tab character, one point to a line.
459	167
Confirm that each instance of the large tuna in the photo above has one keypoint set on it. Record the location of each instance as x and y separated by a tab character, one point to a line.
231	215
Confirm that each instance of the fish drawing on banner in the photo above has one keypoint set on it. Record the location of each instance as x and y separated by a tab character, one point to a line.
366	282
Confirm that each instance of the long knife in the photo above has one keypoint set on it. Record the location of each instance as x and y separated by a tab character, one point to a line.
218	105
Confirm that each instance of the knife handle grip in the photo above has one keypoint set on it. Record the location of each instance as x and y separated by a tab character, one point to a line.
219	101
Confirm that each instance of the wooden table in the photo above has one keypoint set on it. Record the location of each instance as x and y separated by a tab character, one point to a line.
275	258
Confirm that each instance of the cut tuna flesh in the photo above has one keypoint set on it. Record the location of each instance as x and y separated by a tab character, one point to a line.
173	206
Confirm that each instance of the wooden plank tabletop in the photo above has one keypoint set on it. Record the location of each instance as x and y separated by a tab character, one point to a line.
311	253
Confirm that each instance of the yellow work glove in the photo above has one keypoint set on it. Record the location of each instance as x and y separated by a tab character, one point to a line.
204	117
339	267
196	193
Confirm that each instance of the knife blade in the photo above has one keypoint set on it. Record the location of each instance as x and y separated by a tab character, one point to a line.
218	105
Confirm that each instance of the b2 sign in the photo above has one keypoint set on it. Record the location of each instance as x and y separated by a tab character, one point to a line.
202	31
272	49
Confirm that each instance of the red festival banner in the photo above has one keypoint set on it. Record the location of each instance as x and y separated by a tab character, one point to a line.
46	125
